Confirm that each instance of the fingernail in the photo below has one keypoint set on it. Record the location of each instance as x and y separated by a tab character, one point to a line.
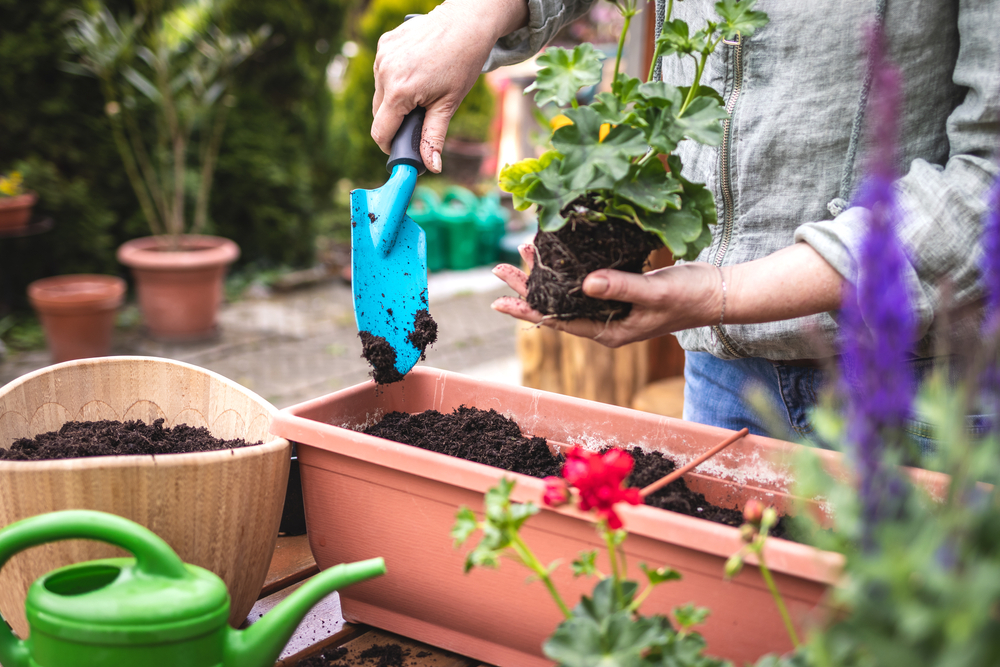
436	162
596	285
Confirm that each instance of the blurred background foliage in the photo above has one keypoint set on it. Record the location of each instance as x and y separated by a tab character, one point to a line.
295	143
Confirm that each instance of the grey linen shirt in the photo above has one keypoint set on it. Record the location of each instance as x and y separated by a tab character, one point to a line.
794	88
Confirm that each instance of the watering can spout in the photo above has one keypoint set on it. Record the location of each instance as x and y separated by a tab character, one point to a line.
261	643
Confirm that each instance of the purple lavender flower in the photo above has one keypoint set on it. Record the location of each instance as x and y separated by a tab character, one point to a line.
877	322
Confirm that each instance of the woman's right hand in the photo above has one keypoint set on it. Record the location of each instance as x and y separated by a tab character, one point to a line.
432	61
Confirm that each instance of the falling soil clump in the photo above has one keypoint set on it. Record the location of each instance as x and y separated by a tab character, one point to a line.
481	436
85	439
565	257
486	436
425	332
372	218
382	356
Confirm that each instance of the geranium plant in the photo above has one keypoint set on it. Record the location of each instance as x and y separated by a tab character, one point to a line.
611	171
605	628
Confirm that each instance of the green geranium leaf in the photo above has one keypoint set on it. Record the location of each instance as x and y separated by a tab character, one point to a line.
620	641
661	94
674	38
739	17
660	574
465	525
701	121
703	91
585	563
626	88
689	615
606	599
563	73
675	228
611	109
651	187
621	208
590	163
518	178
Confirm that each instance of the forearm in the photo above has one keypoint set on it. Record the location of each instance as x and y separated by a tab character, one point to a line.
793	282
497	17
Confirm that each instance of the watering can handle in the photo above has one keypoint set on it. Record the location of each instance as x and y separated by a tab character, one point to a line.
153	556
406	143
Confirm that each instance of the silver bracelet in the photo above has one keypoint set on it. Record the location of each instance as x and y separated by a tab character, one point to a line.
722	315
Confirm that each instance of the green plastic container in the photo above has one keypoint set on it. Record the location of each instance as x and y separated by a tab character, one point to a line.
152	610
424	210
491	223
458	215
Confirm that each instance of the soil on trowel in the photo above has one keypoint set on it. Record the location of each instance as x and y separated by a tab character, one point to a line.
84	439
481	436
380	353
677	497
486	436
377	655
565	257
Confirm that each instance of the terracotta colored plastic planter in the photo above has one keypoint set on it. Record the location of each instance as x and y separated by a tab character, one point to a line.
15	212
179	290
78	313
366	496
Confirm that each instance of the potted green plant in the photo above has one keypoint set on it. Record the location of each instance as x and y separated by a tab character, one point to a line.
15	202
165	78
610	186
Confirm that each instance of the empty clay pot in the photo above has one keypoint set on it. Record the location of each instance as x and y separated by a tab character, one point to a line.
179	289
78	313
15	212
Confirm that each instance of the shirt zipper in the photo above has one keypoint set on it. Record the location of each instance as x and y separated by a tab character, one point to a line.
728	210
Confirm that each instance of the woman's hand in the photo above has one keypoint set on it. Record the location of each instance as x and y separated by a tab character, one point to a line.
663	301
793	282
432	61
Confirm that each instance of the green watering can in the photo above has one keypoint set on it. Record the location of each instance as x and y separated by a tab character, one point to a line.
151	610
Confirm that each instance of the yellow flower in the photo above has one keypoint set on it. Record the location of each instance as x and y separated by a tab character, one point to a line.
603	132
559	121
10	186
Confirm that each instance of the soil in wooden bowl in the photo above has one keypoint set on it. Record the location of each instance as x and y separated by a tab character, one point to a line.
565	257
380	353
85	439
486	436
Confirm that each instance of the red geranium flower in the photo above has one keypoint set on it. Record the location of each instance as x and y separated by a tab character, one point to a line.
599	478
556	491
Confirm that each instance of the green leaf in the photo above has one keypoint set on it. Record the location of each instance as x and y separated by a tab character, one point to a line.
588	162
701	121
626	87
674	38
466	524
675	228
620	641
739	17
562	73
651	187
689	616
661	94
518	178
606	599
659	575
703	91
585	563
610	108
142	84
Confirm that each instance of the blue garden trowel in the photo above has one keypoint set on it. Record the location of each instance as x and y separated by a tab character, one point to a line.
389	261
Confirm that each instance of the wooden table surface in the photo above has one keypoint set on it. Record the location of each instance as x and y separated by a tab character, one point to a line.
324	629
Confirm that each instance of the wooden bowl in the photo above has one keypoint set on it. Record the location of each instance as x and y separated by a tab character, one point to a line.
219	510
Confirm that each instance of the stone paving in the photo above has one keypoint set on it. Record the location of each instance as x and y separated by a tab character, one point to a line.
303	344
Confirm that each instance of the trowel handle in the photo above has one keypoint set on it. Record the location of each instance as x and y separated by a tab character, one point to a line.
406	143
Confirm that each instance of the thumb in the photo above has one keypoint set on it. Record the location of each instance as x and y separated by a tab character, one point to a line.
617	285
436	122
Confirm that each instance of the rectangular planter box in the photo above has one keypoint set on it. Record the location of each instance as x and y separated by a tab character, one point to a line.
366	497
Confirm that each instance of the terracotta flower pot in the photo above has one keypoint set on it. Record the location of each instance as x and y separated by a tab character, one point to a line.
366	496
179	291
219	510
77	313
15	212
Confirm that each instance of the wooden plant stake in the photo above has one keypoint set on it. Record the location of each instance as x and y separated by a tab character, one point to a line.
666	479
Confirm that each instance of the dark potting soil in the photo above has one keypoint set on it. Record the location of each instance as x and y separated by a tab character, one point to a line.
377	655
565	257
382	355
486	436
84	439
481	436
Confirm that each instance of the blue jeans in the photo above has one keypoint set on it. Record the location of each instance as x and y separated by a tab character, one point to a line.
715	393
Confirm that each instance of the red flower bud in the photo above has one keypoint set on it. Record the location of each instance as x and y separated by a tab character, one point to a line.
753	512
556	492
